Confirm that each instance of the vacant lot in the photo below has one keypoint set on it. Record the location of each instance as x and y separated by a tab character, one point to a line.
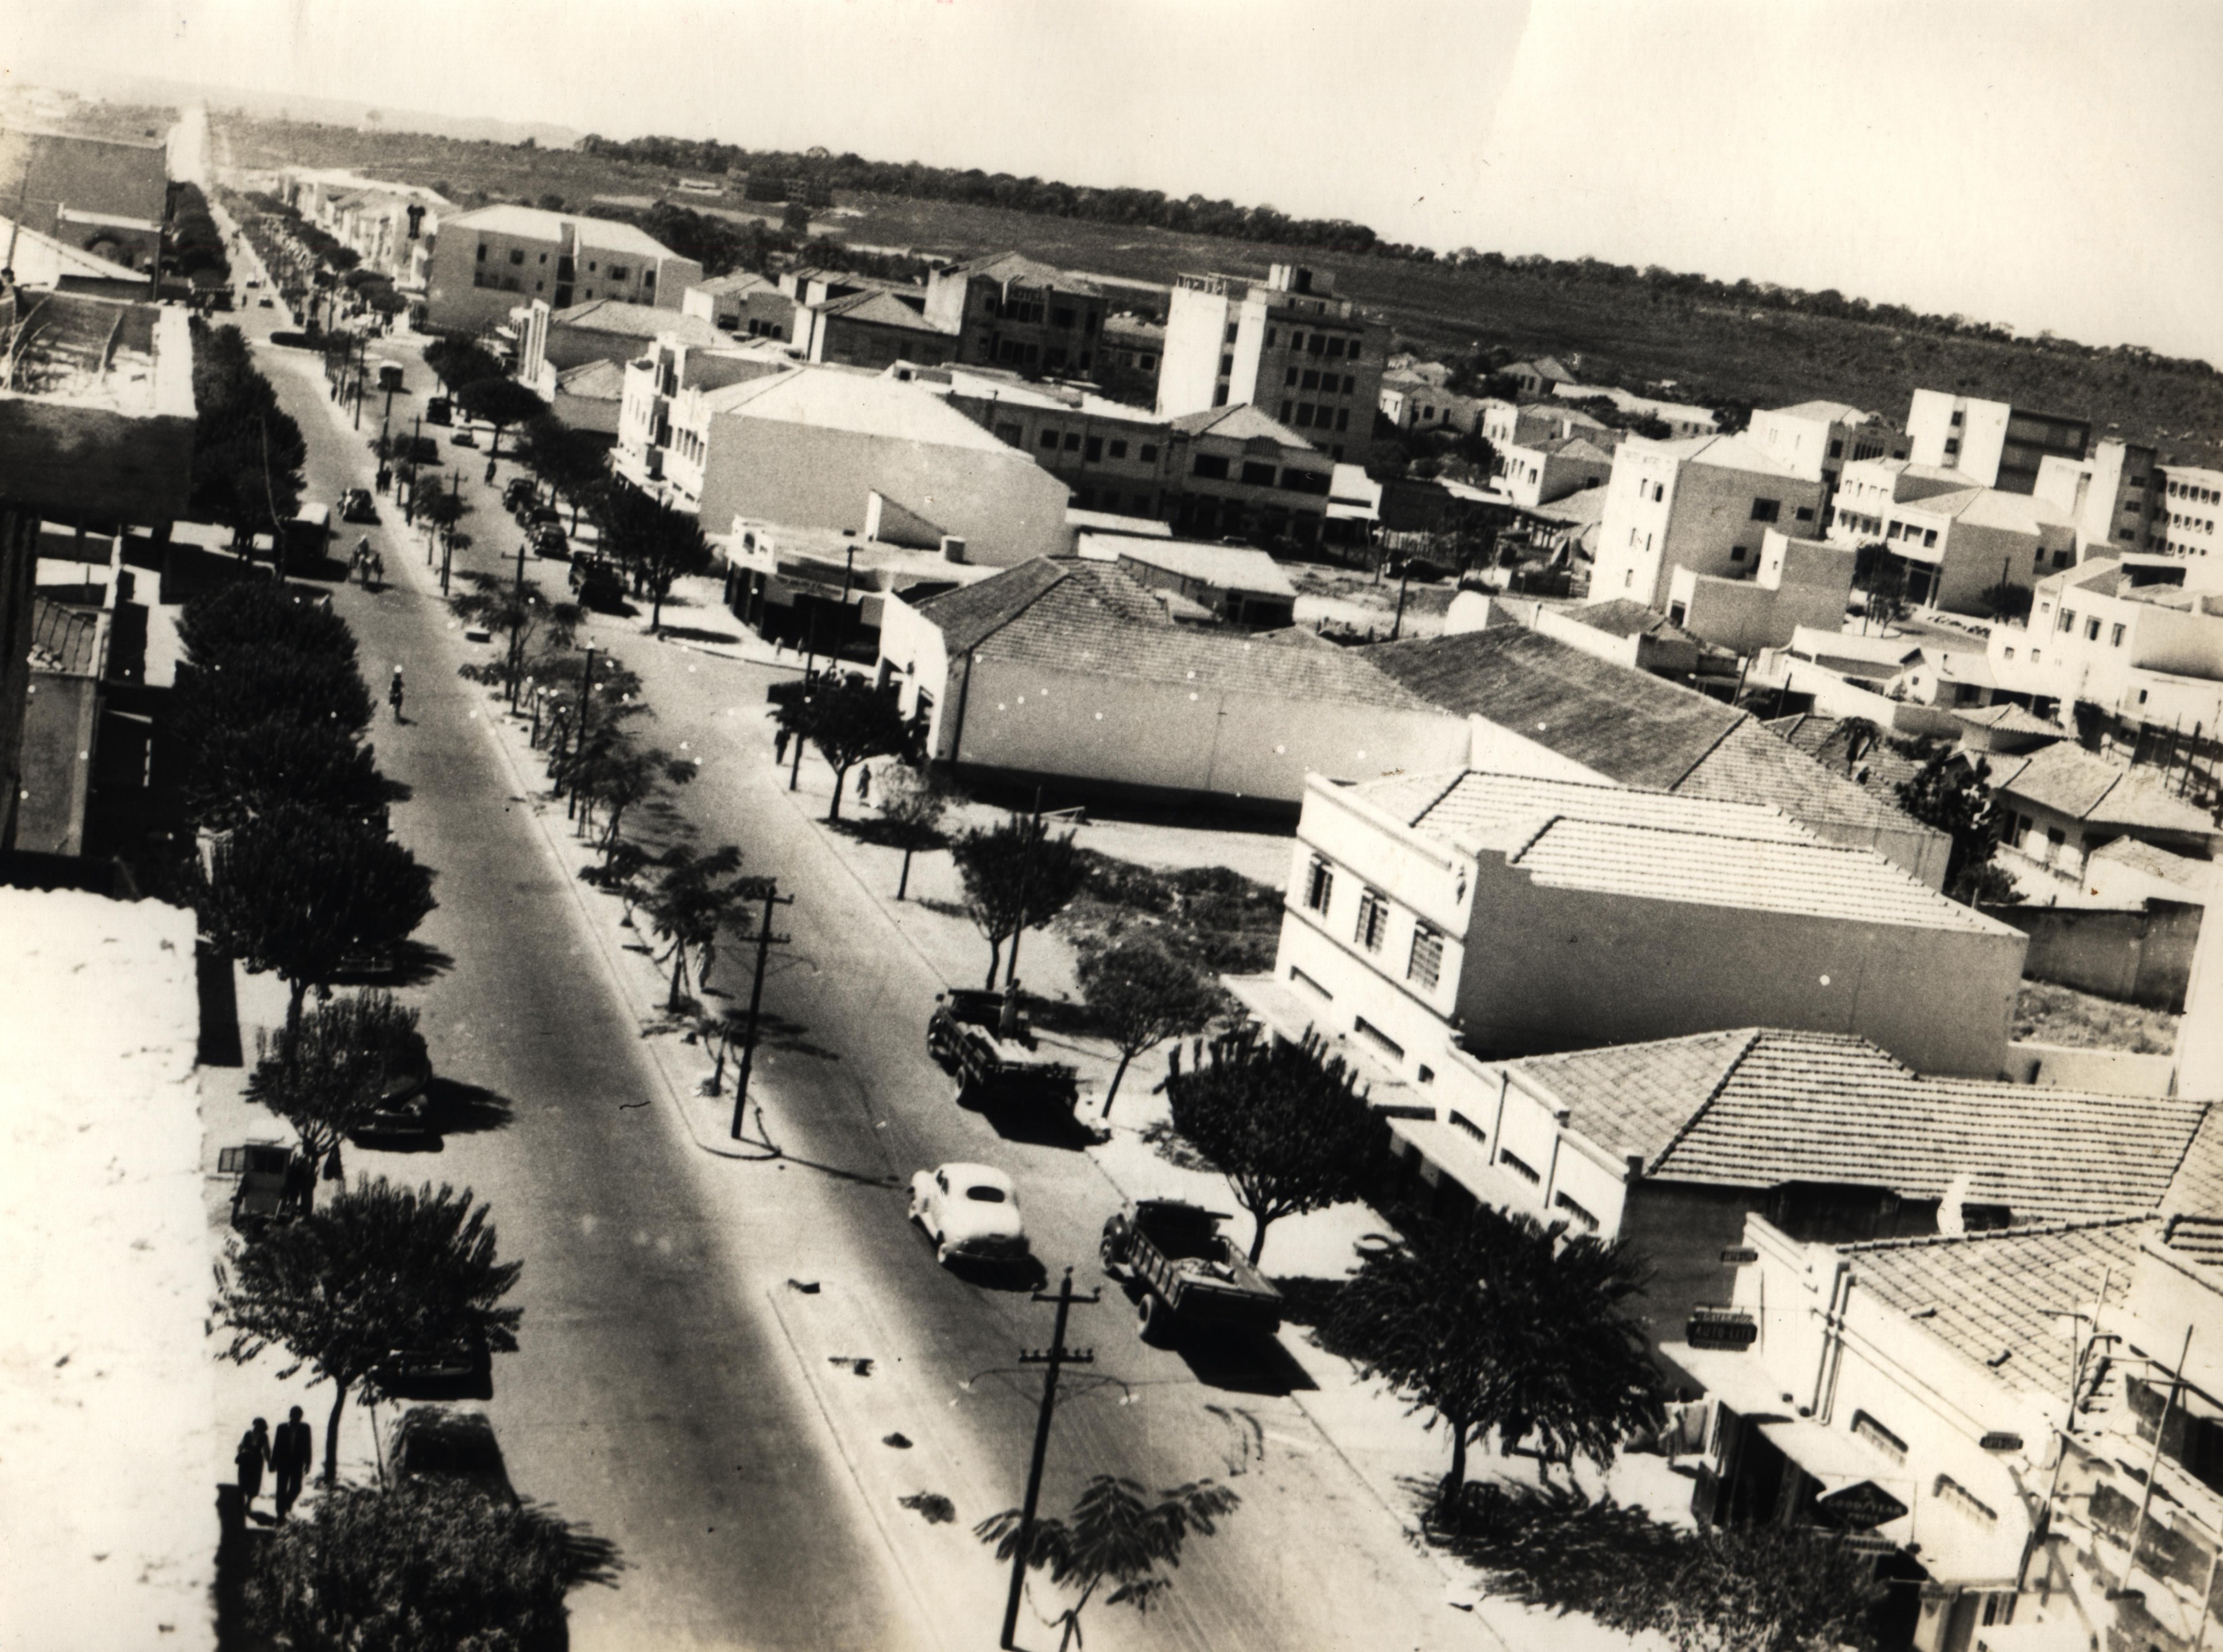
1634	334
2046	1013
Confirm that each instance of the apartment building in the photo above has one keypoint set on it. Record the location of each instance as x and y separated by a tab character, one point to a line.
1950	538
1996	444
1818	439
1702	503
1127	362
2113	497
1233	471
488	262
1009	311
2185	517
1114	457
1287	345
2144	655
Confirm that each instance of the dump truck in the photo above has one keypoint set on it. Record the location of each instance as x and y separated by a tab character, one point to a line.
1184	1273
963	1034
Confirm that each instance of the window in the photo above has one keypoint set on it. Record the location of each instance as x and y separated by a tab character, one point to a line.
1094	451
2069	619
1050	439
2010	651
617	271
1427	963
1374	1035
1226	366
1519	1167
1736	553
2091	631
482	252
1289	380
1061	318
1342	422
1210	466
1334	348
1258	475
1350	385
1297	340
1957	1496
1304	415
1929	537
2116	639
1118	449
1837	449
1765	510
1805	513
1269	338
1286	407
1148	452
1867	1428
1373	921
1955	421
517	254
1320	884
1310	382
1561	1201
1952	445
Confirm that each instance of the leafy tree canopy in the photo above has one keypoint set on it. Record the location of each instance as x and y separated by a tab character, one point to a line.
850	721
327	1076
1016	876
1142	994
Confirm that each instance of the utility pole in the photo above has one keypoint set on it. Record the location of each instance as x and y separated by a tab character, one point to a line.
579	731
765	941
1056	1356
1404	576
416	436
1007	1023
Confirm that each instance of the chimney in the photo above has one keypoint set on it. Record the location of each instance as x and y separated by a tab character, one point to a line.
952	548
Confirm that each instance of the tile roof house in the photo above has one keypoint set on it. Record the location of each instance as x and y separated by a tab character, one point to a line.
875	328
104	196
2062	803
1543	706
1070	671
1849	747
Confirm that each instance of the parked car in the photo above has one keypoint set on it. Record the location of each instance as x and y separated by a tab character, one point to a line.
518	495
1184	1271
437	410
969	1211
355	505
540	516
964	1034
263	303
404	1112
438	1442
463	439
264	1170
548	540
596	583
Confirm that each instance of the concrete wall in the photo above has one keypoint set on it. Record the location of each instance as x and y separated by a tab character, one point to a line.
1981	435
2135	955
1006	508
60	722
1196	330
1557	969
1164	735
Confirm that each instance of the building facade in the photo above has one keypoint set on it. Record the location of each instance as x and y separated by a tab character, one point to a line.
1011	311
489	262
1996	444
1950	540
2113	498
1818	439
1287	345
1704	504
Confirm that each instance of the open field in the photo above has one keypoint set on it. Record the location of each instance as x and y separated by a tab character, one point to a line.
1633	333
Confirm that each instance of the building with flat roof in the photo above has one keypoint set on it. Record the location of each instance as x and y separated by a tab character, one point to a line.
1818	439
1950	538
1287	345
723	300
1538	473
1232	585
1127	360
2114	497
1800	582
552	341
1998	444
1009	311
2184	521
490	262
1703	503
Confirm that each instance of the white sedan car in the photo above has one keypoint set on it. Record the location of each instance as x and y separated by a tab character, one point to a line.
969	1211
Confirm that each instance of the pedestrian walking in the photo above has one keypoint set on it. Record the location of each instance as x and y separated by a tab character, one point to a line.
378	568
385	477
253	1454
780	748
290	1458
865	784
362	558
489	472
394	698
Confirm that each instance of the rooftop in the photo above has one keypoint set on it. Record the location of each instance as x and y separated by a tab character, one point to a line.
636	321
865	403
880	307
119	177
2196	877
1998	1298
1231	567
1474	809
1761	1107
2068	779
531	223
1724	452
2008	718
594	381
1240	423
740	281
1015	269
1625	617
41	261
2193	1205
1076	615
65	640
1828	412
1987	507
1859	754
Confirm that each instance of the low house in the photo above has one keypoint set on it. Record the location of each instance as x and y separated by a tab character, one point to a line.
723	300
874	329
1509	916
549	342
1646	640
1539	377
1516	425
1537	472
2060	803
1413	403
1067	671
1233	584
1683	420
1798	582
823	591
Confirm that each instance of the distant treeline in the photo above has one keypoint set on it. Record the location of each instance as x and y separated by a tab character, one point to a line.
817	173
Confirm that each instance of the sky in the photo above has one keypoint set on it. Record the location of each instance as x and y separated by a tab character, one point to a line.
2048	164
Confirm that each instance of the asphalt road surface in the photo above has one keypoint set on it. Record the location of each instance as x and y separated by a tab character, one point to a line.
655	1398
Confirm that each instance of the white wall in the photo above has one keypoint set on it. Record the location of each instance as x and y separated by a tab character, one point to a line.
1188	366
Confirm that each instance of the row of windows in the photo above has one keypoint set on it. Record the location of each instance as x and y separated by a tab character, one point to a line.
1329	346
1424	964
1090	448
618	272
1307	415
2196	524
1310	380
2198	495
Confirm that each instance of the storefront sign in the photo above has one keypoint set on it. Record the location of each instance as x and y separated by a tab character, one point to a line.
1721	1327
1859	1508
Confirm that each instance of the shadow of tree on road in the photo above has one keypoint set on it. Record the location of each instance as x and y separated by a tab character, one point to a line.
460	1109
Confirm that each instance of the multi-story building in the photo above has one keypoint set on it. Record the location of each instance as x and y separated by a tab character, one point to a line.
1011	311
2185	519
1950	539
1233	471
2143	656
106	195
1702	503
488	262
1113	457
1998	445
2112	498
874	329
1537	472
550	342
1521	424
1287	345
1127	360
1818	439
723	300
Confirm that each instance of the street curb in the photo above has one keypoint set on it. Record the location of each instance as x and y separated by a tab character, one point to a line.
816	826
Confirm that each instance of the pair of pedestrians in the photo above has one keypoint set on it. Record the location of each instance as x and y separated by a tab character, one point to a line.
287	1456
369	564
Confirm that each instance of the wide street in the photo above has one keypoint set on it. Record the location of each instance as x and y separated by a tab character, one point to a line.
669	1392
